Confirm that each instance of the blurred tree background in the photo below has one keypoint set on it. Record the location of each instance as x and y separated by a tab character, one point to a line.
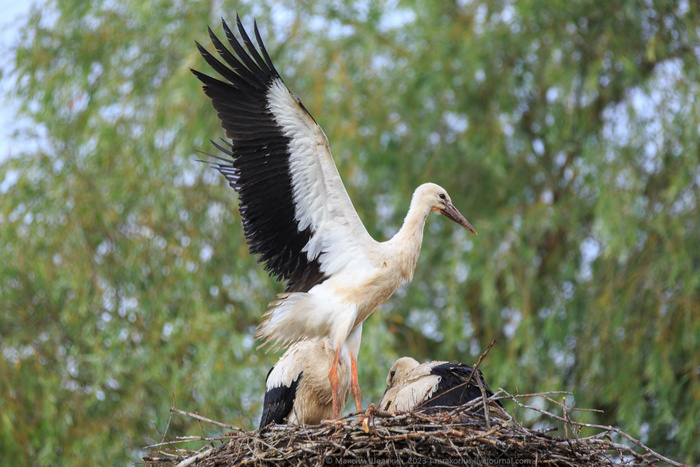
567	132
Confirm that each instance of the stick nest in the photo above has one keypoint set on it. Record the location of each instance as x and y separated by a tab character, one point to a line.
458	437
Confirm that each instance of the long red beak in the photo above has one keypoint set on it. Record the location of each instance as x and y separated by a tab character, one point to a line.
451	212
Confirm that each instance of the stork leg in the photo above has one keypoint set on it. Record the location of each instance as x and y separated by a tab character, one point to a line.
335	382
353	345
355	385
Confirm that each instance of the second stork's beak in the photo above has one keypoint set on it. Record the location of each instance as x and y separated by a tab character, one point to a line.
451	212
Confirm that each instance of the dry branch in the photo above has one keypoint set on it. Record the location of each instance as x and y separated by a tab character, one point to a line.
459	437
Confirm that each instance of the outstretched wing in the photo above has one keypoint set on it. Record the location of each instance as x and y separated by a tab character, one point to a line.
296	212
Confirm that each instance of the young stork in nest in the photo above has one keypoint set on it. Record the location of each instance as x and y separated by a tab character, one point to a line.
297	389
296	213
410	385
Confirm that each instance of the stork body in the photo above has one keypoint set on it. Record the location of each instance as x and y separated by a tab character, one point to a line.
296	212
367	279
411	385
297	389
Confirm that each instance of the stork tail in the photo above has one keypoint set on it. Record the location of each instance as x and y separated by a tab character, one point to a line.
296	316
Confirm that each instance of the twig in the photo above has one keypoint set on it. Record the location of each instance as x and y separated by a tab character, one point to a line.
193	459
167	425
474	369
484	398
203	419
189	439
608	428
481	357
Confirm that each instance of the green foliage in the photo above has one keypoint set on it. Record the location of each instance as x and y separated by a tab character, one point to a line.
566	132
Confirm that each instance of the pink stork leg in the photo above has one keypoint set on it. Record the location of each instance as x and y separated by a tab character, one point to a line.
335	381
353	346
355	383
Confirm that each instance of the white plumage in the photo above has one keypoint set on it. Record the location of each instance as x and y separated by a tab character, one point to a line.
296	212
408	384
297	389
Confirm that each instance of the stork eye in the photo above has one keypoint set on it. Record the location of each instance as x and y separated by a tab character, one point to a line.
442	195
391	375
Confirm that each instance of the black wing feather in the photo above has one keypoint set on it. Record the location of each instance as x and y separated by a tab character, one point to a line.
257	166
452	390
262	49
278	402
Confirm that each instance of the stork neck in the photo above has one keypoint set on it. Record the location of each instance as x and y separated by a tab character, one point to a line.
407	241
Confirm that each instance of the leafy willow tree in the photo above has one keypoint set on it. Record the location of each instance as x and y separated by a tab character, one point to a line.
566	132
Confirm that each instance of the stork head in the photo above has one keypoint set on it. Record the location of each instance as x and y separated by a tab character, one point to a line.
440	202
400	370
398	374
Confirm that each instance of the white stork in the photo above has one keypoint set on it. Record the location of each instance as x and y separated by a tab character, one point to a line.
297	389
296	213
411	385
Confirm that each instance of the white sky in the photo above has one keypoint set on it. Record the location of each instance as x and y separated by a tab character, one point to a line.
11	10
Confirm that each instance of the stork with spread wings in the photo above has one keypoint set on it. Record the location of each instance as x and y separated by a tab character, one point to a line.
296	212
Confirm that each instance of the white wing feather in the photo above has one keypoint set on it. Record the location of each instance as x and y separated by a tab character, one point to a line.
319	194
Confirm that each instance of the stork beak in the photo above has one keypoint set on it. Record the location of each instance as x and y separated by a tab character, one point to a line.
385	391
382	398
451	212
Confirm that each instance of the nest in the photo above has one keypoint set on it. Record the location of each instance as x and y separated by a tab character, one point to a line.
457	437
